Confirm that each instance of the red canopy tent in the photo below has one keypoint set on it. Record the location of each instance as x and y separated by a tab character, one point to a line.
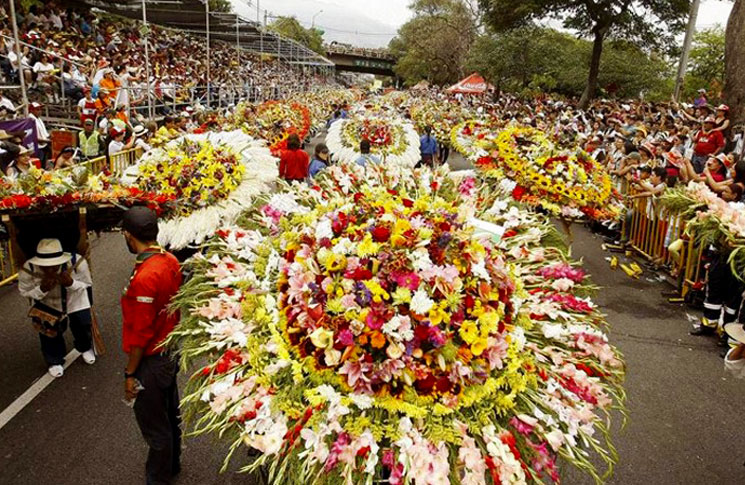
473	84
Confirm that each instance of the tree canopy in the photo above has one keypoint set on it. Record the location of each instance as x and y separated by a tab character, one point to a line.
531	59
290	27
433	45
649	23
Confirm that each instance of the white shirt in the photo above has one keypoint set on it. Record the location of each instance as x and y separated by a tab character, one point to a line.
6	103
139	143
29	284
115	147
41	130
43	68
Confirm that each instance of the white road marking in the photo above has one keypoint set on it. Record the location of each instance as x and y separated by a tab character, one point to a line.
33	391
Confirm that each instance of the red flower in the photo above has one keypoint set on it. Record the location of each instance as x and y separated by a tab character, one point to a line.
381	234
425	386
357	197
518	193
408	203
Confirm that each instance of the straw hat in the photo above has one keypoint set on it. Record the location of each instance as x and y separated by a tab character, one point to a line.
735	332
49	253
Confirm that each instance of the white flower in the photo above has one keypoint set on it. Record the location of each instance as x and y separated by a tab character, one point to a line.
562	284
332	356
323	229
421	303
552	331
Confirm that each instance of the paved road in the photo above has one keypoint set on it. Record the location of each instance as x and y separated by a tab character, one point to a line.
685	414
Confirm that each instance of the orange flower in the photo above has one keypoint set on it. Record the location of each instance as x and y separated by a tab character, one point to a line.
362	339
377	340
465	355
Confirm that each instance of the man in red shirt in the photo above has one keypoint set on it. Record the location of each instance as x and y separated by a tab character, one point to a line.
150	374
708	142
294	162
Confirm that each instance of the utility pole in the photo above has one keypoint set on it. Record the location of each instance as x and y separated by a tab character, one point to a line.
683	66
19	59
145	39
207	24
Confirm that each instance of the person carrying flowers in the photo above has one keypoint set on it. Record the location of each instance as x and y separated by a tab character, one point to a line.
57	284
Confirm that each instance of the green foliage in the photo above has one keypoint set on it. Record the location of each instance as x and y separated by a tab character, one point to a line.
433	45
531	59
290	27
648	23
221	6
706	64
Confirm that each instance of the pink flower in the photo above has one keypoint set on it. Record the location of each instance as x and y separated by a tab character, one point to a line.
406	280
345	337
521	426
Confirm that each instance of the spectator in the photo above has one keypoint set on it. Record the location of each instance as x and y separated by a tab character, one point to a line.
320	160
65	159
22	164
707	142
293	162
90	141
142	135
87	107
42	135
8	150
117	143
365	155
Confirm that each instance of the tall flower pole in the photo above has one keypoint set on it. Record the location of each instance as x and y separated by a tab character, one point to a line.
21	73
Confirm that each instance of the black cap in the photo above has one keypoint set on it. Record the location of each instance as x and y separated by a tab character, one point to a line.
142	223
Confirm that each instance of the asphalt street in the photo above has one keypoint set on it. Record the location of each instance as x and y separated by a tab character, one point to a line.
685	421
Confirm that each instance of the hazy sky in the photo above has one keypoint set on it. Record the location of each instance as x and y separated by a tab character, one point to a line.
372	23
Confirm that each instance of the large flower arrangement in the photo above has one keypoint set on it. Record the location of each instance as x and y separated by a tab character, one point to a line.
274	121
43	191
442	116
471	138
567	183
197	173
372	327
214	176
710	219
394	141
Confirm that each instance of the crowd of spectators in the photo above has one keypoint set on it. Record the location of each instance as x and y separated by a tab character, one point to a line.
66	51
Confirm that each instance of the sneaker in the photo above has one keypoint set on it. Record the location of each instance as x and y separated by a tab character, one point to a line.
89	356
56	371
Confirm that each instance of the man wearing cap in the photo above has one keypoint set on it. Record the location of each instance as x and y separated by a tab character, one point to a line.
42	135
58	282
708	142
146	323
90	141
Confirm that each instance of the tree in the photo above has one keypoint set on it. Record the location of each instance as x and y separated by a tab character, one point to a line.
647	22
706	65
433	45
290	27
734	56
221	6
532	59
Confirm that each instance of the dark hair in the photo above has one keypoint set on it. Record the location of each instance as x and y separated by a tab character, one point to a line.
365	147
737	190
660	172
293	142
321	148
167	119
645	169
628	147
739	177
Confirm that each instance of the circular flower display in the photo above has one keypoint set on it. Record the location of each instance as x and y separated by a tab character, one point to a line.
274	121
393	324
395	142
562	182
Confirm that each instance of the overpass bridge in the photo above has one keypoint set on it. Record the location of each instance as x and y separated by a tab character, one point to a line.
355	59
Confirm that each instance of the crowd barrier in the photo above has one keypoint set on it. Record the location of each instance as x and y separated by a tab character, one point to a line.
651	230
116	165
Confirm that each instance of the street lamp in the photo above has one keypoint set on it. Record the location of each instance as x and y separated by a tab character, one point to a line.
313	22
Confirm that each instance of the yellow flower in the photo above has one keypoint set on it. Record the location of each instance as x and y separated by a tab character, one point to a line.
478	347
367	247
469	331
322	338
489	322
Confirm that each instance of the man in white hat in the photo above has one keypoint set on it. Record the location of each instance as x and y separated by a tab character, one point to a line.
57	284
